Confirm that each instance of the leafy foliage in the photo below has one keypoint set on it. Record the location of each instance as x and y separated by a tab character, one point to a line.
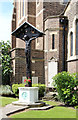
16	91
41	89
67	87
5	90
6	60
15	88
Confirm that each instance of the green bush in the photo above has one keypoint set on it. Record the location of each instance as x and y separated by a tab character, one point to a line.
66	85
16	91
5	90
15	88
41	89
5	58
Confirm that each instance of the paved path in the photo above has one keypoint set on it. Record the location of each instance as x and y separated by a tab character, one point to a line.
2	114
9	109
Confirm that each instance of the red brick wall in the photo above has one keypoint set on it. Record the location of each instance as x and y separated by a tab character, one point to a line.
73	66
20	65
38	66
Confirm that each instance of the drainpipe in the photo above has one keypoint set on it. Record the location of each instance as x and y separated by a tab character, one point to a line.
64	23
63	68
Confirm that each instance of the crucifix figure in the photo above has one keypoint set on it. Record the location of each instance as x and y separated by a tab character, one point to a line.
28	54
27	33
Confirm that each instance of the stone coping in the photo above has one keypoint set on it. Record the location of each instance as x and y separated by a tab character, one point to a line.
24	49
28	88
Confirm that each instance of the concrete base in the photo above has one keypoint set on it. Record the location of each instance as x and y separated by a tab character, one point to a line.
19	103
37	104
28	95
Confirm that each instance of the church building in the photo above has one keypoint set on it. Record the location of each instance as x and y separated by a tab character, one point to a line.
57	50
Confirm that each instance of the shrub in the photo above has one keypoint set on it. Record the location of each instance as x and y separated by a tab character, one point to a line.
15	88
41	89
5	90
66	85
6	62
16	91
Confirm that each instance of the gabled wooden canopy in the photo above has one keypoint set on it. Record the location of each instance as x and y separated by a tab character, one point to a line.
27	30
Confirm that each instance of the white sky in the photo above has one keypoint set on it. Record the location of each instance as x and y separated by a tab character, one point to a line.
6	8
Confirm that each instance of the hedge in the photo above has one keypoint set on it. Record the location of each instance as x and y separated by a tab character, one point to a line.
16	90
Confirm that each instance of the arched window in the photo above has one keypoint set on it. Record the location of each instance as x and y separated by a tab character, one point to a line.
77	37
71	44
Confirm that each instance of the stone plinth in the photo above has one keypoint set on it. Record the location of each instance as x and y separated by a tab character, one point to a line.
28	95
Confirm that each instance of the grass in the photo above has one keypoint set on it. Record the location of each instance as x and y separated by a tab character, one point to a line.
56	112
52	103
6	100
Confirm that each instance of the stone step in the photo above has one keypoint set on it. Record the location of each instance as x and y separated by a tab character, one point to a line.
51	93
37	104
18	103
50	96
42	108
50	89
10	109
46	99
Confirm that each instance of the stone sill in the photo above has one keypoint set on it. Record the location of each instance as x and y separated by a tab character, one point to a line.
72	58
53	50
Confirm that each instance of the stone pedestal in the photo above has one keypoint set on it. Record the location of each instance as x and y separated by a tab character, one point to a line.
28	95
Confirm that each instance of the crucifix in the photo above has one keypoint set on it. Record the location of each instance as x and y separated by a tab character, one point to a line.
27	33
28	54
